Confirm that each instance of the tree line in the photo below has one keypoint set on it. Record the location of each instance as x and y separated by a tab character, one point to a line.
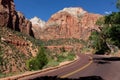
107	39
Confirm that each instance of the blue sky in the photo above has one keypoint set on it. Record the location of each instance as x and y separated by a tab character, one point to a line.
45	8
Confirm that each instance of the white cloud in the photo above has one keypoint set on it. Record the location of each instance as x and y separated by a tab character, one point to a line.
108	12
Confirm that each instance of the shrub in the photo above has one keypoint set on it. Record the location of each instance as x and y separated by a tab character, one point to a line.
39	61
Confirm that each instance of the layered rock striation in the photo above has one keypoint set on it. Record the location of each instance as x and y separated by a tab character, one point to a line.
73	22
9	17
70	23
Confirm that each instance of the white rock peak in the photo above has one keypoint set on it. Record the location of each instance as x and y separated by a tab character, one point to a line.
37	21
74	10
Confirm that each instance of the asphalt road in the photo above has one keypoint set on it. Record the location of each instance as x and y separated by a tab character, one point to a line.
106	67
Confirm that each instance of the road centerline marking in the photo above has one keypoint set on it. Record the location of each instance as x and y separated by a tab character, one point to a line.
78	70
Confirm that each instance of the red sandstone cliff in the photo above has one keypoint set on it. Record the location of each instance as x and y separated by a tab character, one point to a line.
70	23
9	17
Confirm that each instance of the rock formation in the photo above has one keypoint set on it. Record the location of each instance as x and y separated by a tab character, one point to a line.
38	22
37	26
14	48
15	51
9	17
67	23
70	23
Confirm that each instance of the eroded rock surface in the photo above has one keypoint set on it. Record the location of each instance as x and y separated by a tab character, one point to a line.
70	23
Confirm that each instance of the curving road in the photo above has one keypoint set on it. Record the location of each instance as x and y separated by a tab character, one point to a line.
104	66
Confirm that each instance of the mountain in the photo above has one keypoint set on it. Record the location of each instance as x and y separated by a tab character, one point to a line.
73	22
37	26
37	21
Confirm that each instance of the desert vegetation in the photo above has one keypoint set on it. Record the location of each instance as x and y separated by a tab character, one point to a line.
20	53
15	49
107	39
37	63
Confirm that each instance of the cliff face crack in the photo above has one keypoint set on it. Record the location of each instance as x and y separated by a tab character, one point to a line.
67	23
9	17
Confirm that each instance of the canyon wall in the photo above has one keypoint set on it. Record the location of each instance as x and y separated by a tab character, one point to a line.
71	22
9	17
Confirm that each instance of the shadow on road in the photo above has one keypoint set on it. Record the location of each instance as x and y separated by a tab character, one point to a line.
105	60
102	62
108	58
56	78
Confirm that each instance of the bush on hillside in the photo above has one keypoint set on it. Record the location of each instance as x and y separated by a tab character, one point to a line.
39	61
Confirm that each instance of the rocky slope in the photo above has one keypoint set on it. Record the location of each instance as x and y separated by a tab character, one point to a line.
69	23
9	17
15	47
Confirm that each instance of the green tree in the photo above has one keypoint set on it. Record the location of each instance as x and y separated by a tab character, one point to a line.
113	19
113	30
118	4
100	21
98	42
41	57
39	61
114	34
108	38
